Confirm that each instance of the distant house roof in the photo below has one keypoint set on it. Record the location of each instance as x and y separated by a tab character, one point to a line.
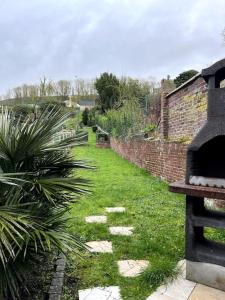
87	102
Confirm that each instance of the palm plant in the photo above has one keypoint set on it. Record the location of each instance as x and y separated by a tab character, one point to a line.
37	185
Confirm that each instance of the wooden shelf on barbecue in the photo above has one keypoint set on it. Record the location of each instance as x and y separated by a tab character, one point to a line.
197	191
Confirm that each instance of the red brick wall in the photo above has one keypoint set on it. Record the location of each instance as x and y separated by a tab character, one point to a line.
187	109
163	159
183	113
101	144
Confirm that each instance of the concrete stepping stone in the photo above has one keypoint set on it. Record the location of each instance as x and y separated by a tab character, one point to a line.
115	209
132	268
100	246
206	293
100	293
179	289
96	219
120	230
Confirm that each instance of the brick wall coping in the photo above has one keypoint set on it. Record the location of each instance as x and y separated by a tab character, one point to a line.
189	81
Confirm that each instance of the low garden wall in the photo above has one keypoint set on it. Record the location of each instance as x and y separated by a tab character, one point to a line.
164	159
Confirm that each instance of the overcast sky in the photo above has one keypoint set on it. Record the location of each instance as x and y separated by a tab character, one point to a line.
62	39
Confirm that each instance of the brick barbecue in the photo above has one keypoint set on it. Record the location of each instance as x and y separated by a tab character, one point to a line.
205	178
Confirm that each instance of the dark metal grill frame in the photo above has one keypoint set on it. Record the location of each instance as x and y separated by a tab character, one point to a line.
206	157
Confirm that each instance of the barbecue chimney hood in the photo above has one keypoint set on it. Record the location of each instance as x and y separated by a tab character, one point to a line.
205	178
206	153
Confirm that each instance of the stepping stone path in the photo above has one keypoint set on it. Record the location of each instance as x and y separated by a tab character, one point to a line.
132	268
115	209
179	289
127	268
119	230
101	293
100	246
96	219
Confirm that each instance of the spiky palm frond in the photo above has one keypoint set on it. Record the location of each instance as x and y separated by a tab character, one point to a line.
36	187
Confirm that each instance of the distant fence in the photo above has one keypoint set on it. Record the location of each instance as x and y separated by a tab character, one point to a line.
64	134
81	136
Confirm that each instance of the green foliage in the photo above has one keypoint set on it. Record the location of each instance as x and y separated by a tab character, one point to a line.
146	92
93	113
156	215
135	89
150	128
184	76
23	111
124	122
107	86
73	123
85	116
36	188
49	105
160	272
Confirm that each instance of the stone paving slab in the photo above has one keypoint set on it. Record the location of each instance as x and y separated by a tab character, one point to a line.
121	230
115	209
206	293
183	289
179	289
155	296
100	293
132	268
96	219
100	246
182	268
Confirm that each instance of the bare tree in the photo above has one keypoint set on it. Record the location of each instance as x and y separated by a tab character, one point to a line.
43	84
50	88
63	88
33	91
17	92
25	90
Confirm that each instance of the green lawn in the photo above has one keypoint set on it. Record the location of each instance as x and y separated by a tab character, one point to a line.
156	214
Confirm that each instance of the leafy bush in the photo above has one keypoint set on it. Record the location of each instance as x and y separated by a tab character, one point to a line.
23	111
150	128
126	121
85	116
161	272
93	113
184	76
36	188
107	86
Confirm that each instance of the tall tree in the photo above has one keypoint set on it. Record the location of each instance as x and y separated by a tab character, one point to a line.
107	86
43	83
184	76
64	88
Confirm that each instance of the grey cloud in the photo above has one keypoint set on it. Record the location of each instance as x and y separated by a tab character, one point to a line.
68	38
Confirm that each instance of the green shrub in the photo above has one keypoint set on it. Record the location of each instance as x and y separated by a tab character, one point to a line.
107	86
161	272
85	116
184	76
36	188
124	122
150	128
